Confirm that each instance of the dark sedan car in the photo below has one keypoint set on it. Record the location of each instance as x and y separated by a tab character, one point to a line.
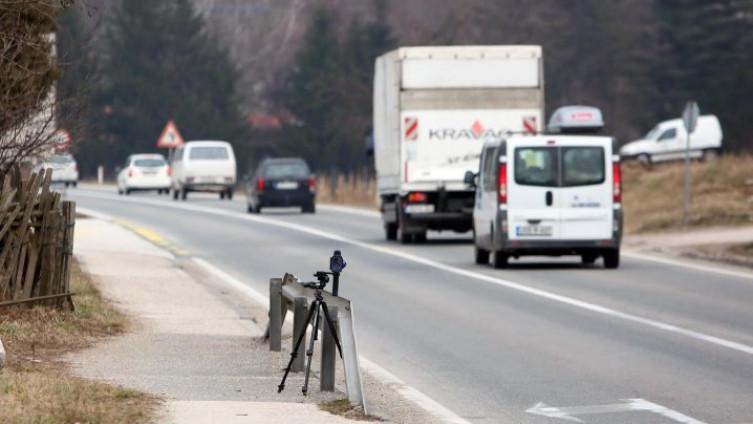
280	183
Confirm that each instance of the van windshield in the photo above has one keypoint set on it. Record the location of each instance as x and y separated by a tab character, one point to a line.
208	153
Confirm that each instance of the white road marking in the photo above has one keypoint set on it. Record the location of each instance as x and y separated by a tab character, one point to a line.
690	265
388	250
570	413
409	393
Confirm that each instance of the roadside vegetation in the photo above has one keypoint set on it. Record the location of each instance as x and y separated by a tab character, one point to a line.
721	194
345	409
37	387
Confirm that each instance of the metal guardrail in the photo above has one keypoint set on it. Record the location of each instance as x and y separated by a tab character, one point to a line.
288	293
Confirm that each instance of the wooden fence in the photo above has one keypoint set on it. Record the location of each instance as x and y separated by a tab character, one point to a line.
36	240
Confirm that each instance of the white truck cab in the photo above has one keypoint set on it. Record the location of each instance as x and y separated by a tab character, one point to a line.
556	194
667	141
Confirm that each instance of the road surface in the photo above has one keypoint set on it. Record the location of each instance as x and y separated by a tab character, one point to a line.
546	341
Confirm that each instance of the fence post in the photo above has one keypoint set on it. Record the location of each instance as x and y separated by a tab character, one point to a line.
329	354
299	326
275	314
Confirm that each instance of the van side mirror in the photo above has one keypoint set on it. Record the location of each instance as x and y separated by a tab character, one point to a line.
470	179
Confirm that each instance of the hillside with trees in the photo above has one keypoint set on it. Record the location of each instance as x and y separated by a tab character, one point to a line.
307	65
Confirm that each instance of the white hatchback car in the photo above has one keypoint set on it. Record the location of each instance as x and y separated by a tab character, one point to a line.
144	172
64	168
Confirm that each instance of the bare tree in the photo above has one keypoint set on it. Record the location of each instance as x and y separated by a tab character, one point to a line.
29	71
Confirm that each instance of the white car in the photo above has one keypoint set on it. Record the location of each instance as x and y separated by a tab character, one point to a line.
64	168
144	172
549	194
668	140
207	166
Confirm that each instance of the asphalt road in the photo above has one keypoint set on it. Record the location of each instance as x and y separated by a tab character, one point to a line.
491	344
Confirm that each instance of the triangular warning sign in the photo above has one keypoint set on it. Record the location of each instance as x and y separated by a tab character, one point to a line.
170	137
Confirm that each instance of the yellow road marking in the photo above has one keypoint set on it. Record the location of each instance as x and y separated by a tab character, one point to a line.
152	237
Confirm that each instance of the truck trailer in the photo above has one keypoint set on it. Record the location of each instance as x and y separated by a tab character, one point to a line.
434	108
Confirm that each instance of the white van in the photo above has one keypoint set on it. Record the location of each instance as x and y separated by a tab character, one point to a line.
204	166
667	141
549	195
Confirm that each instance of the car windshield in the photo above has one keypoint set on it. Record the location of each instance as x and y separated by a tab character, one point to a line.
148	163
209	153
286	170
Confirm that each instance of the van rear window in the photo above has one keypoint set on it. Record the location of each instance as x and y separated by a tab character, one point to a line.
582	166
208	153
148	163
536	166
560	166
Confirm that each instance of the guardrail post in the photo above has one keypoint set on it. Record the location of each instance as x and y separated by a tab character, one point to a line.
299	325
275	314
329	354
350	359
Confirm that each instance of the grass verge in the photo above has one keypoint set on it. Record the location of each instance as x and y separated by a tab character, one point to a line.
36	387
343	408
743	250
721	194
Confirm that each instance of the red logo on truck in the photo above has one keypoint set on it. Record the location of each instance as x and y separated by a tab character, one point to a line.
411	128
529	125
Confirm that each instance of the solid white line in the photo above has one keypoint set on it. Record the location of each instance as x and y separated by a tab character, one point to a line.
388	250
410	393
686	264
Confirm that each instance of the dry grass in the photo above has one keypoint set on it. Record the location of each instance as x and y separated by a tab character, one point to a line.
343	408
743	250
721	194
35	387
356	191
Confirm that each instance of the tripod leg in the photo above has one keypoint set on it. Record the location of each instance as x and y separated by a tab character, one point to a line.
298	342
310	351
332	328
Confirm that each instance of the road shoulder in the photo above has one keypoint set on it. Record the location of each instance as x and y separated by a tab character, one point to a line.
198	343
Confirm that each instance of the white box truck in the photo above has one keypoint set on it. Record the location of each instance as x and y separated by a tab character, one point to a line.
434	107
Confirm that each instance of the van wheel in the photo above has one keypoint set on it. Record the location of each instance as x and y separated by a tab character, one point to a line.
710	155
644	159
588	258
420	237
390	231
403	236
612	258
229	194
128	192
175	194
499	260
75	184
183	194
481	256
222	195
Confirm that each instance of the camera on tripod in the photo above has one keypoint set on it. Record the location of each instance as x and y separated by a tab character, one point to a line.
318	312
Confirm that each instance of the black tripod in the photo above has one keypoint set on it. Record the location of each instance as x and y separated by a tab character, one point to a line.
318	306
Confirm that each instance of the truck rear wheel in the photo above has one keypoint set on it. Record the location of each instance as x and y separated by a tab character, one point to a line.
390	231
499	260
481	256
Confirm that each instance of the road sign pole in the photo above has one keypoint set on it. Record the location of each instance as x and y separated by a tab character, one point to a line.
686	190
690	121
